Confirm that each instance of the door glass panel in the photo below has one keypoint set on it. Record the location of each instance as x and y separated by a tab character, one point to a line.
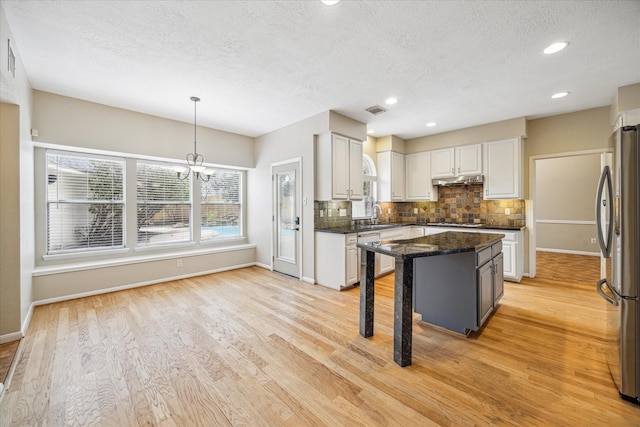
286	215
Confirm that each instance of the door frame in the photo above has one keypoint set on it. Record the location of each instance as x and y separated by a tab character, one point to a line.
273	165
530	211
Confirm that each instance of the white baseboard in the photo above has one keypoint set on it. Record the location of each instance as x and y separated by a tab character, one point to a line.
567	251
309	280
13	336
265	266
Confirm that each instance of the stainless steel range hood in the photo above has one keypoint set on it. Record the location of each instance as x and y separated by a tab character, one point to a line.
459	180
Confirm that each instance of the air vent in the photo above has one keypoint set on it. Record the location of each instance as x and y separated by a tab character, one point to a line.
376	109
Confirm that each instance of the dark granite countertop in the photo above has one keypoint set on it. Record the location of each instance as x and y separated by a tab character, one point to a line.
360	228
474	226
448	242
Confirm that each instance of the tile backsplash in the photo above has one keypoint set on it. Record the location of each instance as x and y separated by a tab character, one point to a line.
455	204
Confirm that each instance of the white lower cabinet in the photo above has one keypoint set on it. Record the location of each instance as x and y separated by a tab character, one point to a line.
337	262
352	259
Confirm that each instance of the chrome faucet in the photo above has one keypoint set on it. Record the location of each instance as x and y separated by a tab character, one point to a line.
374	217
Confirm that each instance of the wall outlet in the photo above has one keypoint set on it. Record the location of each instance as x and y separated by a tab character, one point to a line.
321	213
593	240
343	212
328	212
389	210
179	263
415	210
507	211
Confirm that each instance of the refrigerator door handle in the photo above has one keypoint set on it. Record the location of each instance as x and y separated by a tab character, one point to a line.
605	179
602	293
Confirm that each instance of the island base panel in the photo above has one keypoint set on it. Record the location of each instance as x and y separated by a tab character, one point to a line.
445	289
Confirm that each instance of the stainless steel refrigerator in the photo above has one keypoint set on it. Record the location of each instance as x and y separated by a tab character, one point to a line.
618	220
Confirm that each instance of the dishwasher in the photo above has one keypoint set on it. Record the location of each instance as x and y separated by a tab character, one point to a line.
367	237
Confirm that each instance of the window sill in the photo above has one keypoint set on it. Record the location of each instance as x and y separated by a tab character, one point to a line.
90	265
76	255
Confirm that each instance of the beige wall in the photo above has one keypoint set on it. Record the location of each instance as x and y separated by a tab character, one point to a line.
567	133
68	121
9	219
54	286
16	90
75	123
628	98
483	133
296	140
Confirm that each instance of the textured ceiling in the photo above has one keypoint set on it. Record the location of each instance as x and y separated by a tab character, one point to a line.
261	65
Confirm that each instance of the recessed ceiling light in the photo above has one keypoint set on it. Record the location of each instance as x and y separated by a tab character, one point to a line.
559	95
391	101
330	2
371	131
431	124
555	47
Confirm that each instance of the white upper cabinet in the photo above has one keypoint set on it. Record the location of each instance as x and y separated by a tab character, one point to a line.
418	177
339	168
469	160
454	161
503	169
390	176
443	163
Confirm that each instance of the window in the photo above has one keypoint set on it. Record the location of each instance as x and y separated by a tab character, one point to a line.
88	209
220	205
364	208
85	203
163	205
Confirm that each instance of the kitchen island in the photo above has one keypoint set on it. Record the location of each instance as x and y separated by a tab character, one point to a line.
479	247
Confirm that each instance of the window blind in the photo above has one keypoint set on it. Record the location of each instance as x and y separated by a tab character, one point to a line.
221	206
85	203
163	205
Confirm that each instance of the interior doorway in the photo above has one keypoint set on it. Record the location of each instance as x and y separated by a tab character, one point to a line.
564	245
287	225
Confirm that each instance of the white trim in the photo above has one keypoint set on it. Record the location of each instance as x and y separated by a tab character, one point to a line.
568	251
309	280
265	266
83	150
138	285
13	336
530	219
27	320
66	268
564	221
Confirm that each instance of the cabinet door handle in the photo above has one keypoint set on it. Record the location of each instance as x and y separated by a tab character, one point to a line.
458	169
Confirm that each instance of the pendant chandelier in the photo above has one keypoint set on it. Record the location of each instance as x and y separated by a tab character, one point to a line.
194	160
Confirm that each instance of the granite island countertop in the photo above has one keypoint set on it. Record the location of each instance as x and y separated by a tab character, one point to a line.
448	242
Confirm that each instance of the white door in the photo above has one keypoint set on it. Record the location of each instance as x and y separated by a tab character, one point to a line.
286	218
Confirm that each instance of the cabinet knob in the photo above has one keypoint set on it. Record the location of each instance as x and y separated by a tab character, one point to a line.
458	169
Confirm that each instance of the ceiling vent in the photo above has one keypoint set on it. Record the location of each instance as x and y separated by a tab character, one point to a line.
376	109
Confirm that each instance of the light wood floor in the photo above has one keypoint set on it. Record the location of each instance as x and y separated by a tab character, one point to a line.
251	347
567	267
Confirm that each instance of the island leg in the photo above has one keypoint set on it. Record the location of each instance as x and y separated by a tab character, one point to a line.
403	311
366	293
